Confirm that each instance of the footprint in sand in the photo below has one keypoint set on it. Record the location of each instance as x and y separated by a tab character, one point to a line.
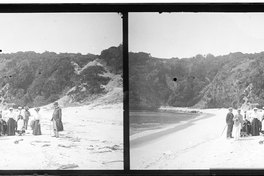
68	166
17	141
40	143
46	145
66	146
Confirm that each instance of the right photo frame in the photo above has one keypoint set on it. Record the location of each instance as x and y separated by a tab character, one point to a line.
196	90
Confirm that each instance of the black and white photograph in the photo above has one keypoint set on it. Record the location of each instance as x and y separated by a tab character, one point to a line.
196	90
61	91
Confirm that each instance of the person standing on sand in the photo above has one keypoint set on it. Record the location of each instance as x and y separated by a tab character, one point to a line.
19	113
56	119
238	121
20	125
27	114
230	123
255	124
2	125
11	123
262	121
37	118
246	125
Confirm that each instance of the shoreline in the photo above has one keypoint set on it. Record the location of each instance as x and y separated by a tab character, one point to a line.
139	129
141	138
201	145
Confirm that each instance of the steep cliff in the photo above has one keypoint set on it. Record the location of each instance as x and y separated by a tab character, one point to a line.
202	81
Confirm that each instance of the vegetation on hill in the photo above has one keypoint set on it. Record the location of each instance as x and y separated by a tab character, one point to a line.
34	79
201	81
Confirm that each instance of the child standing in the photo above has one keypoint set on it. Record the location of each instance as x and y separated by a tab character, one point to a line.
20	125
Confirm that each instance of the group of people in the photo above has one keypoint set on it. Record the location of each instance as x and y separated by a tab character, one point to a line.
12	123
247	124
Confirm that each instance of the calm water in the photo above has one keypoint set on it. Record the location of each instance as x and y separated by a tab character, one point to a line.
149	120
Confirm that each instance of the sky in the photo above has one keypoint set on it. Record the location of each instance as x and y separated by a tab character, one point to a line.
184	35
60	32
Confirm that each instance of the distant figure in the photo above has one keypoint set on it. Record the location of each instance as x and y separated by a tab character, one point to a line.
20	114
11	123
58	109
27	114
246	126
262	121
56	119
230	123
255	124
37	118
3	125
238	121
20	125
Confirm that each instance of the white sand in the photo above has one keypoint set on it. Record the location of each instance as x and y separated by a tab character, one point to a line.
92	139
196	144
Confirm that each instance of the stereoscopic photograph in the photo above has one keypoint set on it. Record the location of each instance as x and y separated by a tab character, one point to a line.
196	88
61	91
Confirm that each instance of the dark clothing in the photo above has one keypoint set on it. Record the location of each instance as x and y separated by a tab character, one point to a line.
57	116
32	124
246	127
27	114
230	123
229	118
229	131
255	127
3	127
11	127
60	127
36	128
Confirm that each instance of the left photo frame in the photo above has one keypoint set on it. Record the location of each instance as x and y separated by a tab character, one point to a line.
61	90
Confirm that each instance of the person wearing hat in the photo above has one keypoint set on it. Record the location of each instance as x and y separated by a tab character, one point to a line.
11	122
229	122
238	121
20	118
246	126
27	115
37	118
20	113
56	119
255	123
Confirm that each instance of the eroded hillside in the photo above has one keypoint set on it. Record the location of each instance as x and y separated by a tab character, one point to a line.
34	79
202	81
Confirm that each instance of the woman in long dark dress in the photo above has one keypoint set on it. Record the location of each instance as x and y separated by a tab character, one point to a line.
11	123
246	130
256	124
2	125
37	118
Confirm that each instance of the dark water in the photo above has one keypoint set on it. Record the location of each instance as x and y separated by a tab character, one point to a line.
149	120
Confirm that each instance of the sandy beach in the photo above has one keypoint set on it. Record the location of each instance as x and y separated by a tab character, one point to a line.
90	140
195	144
